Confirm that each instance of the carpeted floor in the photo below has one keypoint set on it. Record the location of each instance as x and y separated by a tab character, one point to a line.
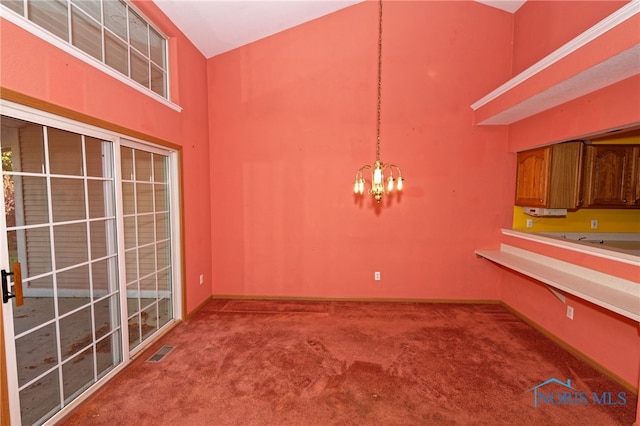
356	363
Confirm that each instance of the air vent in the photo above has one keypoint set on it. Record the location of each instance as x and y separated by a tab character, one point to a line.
162	352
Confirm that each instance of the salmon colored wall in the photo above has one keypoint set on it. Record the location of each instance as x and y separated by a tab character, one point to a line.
32	67
611	43
540	27
293	116
610	339
607	338
595	331
610	108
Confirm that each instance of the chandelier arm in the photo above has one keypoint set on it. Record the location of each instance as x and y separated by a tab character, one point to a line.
396	167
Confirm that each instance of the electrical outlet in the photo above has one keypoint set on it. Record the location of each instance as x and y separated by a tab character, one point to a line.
376	276
594	223
529	223
570	312
201	279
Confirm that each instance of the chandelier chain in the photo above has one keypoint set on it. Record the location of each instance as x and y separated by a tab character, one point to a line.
385	177
379	82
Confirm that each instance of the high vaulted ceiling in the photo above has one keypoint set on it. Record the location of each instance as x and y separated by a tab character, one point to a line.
217	26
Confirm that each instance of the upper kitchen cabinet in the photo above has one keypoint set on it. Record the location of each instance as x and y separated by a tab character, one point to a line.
549	177
612	176
532	181
636	178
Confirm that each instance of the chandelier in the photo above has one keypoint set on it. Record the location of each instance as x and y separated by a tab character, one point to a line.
381	173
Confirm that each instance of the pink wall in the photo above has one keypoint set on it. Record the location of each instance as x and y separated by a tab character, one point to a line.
610	339
610	108
32	67
286	121
611	43
292	118
607	338
540	27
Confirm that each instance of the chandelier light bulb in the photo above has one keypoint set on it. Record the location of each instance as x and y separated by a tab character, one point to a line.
399	184
390	184
377	175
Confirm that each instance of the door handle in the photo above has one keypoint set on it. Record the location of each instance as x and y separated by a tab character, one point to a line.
17	285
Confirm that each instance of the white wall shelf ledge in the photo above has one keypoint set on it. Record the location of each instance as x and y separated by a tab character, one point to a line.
579	242
562	76
613	293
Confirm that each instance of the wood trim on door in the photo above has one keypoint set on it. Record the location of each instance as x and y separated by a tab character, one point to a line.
26	100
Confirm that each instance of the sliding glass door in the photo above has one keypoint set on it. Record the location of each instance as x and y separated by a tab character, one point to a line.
86	258
147	241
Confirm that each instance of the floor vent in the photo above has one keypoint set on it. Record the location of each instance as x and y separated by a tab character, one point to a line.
162	352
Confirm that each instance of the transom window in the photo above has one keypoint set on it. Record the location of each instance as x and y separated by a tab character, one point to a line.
108	30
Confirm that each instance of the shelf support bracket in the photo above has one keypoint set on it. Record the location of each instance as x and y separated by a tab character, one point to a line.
559	295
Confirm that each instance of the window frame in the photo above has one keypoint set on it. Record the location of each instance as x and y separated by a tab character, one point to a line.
68	47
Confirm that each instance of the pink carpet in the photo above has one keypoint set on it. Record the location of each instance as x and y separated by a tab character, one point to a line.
357	363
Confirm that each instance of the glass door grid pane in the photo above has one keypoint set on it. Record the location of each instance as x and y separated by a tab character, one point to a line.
70	317
145	193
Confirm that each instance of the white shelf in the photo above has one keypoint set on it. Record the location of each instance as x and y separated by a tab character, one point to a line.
610	292
620	65
569	241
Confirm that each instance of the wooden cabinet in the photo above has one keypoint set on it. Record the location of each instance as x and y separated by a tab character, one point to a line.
635	193
550	176
612	176
532	182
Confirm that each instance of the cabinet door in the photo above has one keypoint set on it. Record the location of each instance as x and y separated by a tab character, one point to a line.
566	171
635	178
608	176
532	185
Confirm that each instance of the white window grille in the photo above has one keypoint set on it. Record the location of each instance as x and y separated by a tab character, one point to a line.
110	31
